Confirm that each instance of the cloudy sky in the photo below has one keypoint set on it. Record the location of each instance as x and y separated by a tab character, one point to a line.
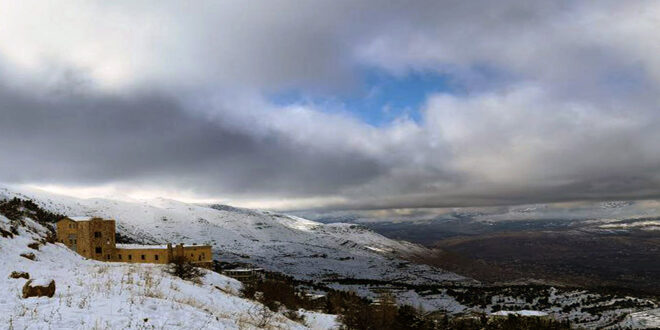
333	104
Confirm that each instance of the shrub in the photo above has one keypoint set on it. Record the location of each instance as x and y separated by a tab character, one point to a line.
184	269
16	274
274	293
295	316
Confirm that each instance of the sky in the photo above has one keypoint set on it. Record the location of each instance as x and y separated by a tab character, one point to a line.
358	104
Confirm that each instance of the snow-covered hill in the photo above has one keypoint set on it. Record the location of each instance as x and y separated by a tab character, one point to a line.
288	244
97	295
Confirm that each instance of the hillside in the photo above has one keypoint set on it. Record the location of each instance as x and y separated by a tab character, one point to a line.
340	256
287	244
91	294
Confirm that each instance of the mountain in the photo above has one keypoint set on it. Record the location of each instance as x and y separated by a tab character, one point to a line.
340	256
288	244
97	295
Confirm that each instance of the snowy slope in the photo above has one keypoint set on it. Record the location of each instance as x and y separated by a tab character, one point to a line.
649	319
91	294
288	244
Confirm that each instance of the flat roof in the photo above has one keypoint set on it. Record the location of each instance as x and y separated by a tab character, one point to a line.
155	246
140	246
83	218
244	270
80	218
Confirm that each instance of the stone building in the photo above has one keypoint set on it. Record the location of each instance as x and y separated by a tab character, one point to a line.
94	238
245	275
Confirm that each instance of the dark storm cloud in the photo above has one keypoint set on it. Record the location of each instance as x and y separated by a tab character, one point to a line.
91	139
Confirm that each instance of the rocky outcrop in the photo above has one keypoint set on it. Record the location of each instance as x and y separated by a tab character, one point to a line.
39	289
6	234
24	275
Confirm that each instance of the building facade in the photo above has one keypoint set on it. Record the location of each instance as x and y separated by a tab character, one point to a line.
94	238
245	275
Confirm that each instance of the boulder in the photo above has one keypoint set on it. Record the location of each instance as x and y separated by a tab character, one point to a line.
6	234
30	255
24	275
42	288
34	246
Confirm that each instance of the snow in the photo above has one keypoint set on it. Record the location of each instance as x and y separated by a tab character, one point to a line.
116	295
244	269
141	246
375	249
41	282
276	242
523	312
649	319
151	246
319	320
92	294
80	218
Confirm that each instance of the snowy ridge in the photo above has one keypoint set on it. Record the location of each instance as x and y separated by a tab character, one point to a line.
277	242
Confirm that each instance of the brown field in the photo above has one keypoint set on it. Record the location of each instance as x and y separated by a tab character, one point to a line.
629	261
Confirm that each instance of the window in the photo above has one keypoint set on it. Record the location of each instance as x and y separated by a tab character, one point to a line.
98	250
156	257
107	256
130	257
119	256
199	258
143	257
97	234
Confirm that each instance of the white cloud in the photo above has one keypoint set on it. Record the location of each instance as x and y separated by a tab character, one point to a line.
559	102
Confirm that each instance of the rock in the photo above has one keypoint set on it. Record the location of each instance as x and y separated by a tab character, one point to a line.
34	246
39	289
30	255
6	234
24	275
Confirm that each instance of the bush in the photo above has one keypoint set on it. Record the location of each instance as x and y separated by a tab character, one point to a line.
184	269
275	293
526	323
295	316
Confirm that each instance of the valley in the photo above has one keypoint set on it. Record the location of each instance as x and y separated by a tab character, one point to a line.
611	245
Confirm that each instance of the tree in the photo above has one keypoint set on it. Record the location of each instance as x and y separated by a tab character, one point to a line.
184	269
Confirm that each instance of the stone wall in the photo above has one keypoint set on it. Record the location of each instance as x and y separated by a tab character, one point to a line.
67	233
152	256
95	239
199	254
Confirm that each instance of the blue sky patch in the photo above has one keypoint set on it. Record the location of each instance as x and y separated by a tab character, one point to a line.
382	99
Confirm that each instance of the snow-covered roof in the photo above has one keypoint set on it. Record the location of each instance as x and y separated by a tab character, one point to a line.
41	282
83	218
156	246
523	312
80	218
140	246
244	270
